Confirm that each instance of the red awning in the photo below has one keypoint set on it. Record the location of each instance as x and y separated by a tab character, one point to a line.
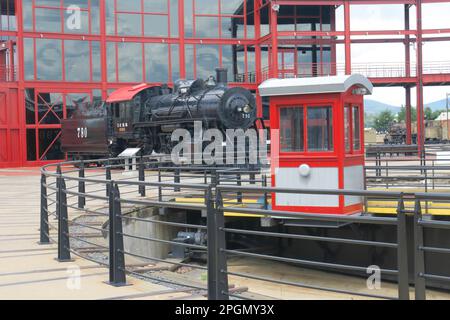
127	93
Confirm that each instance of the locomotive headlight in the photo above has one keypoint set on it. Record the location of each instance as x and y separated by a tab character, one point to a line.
248	108
110	141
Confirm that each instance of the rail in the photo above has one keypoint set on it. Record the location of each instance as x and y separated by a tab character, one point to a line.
87	212
370	69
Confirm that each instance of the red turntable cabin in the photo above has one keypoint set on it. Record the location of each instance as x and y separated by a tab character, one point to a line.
317	138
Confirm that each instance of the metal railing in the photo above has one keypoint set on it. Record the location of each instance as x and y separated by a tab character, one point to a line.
111	198
371	69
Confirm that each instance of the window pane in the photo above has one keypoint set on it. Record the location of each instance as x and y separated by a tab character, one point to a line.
234	7
207	6
129	5
347	127
31	144
48	20
356	129
156	26
48	59
130	62
110	17
129	24
320	129
206	27
83	4
77	60
50	145
50	108
29	106
156	62
188	19
27	15
190	61
233	27
28	52
175	50
207	60
154	6
111	61
96	61
174	18
76	101
95	16
291	129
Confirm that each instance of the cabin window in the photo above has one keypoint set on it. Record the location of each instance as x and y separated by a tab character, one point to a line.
347	130
320	128
291	129
116	110
356	129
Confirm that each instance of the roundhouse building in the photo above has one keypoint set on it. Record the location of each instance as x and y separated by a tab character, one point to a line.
56	55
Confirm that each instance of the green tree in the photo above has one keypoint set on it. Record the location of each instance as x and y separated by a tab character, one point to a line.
383	121
401	116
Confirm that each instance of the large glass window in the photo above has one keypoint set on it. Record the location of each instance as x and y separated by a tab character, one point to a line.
320	128
291	129
156	62
28	52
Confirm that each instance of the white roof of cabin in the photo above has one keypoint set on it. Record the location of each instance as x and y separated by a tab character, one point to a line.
313	85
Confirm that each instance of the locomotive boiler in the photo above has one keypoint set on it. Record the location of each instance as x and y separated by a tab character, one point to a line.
145	116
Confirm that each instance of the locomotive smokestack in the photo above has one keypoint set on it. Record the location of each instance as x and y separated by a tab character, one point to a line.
222	76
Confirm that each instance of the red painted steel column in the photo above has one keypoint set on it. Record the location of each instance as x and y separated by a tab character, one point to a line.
22	148
408	119
348	45
103	63
181	50
420	117
274	34
333	43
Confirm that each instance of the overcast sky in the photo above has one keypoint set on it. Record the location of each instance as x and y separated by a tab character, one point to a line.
390	17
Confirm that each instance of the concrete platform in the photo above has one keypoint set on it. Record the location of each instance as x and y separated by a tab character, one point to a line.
29	270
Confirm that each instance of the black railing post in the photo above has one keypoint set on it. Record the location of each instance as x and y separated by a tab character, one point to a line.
402	252
63	224
108	178
44	229
141	176
419	257
81	186
212	254
58	194
176	179
117	276
221	255
266	198
252	178
239	183
160	196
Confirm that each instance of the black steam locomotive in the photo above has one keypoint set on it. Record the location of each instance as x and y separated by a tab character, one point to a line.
145	116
